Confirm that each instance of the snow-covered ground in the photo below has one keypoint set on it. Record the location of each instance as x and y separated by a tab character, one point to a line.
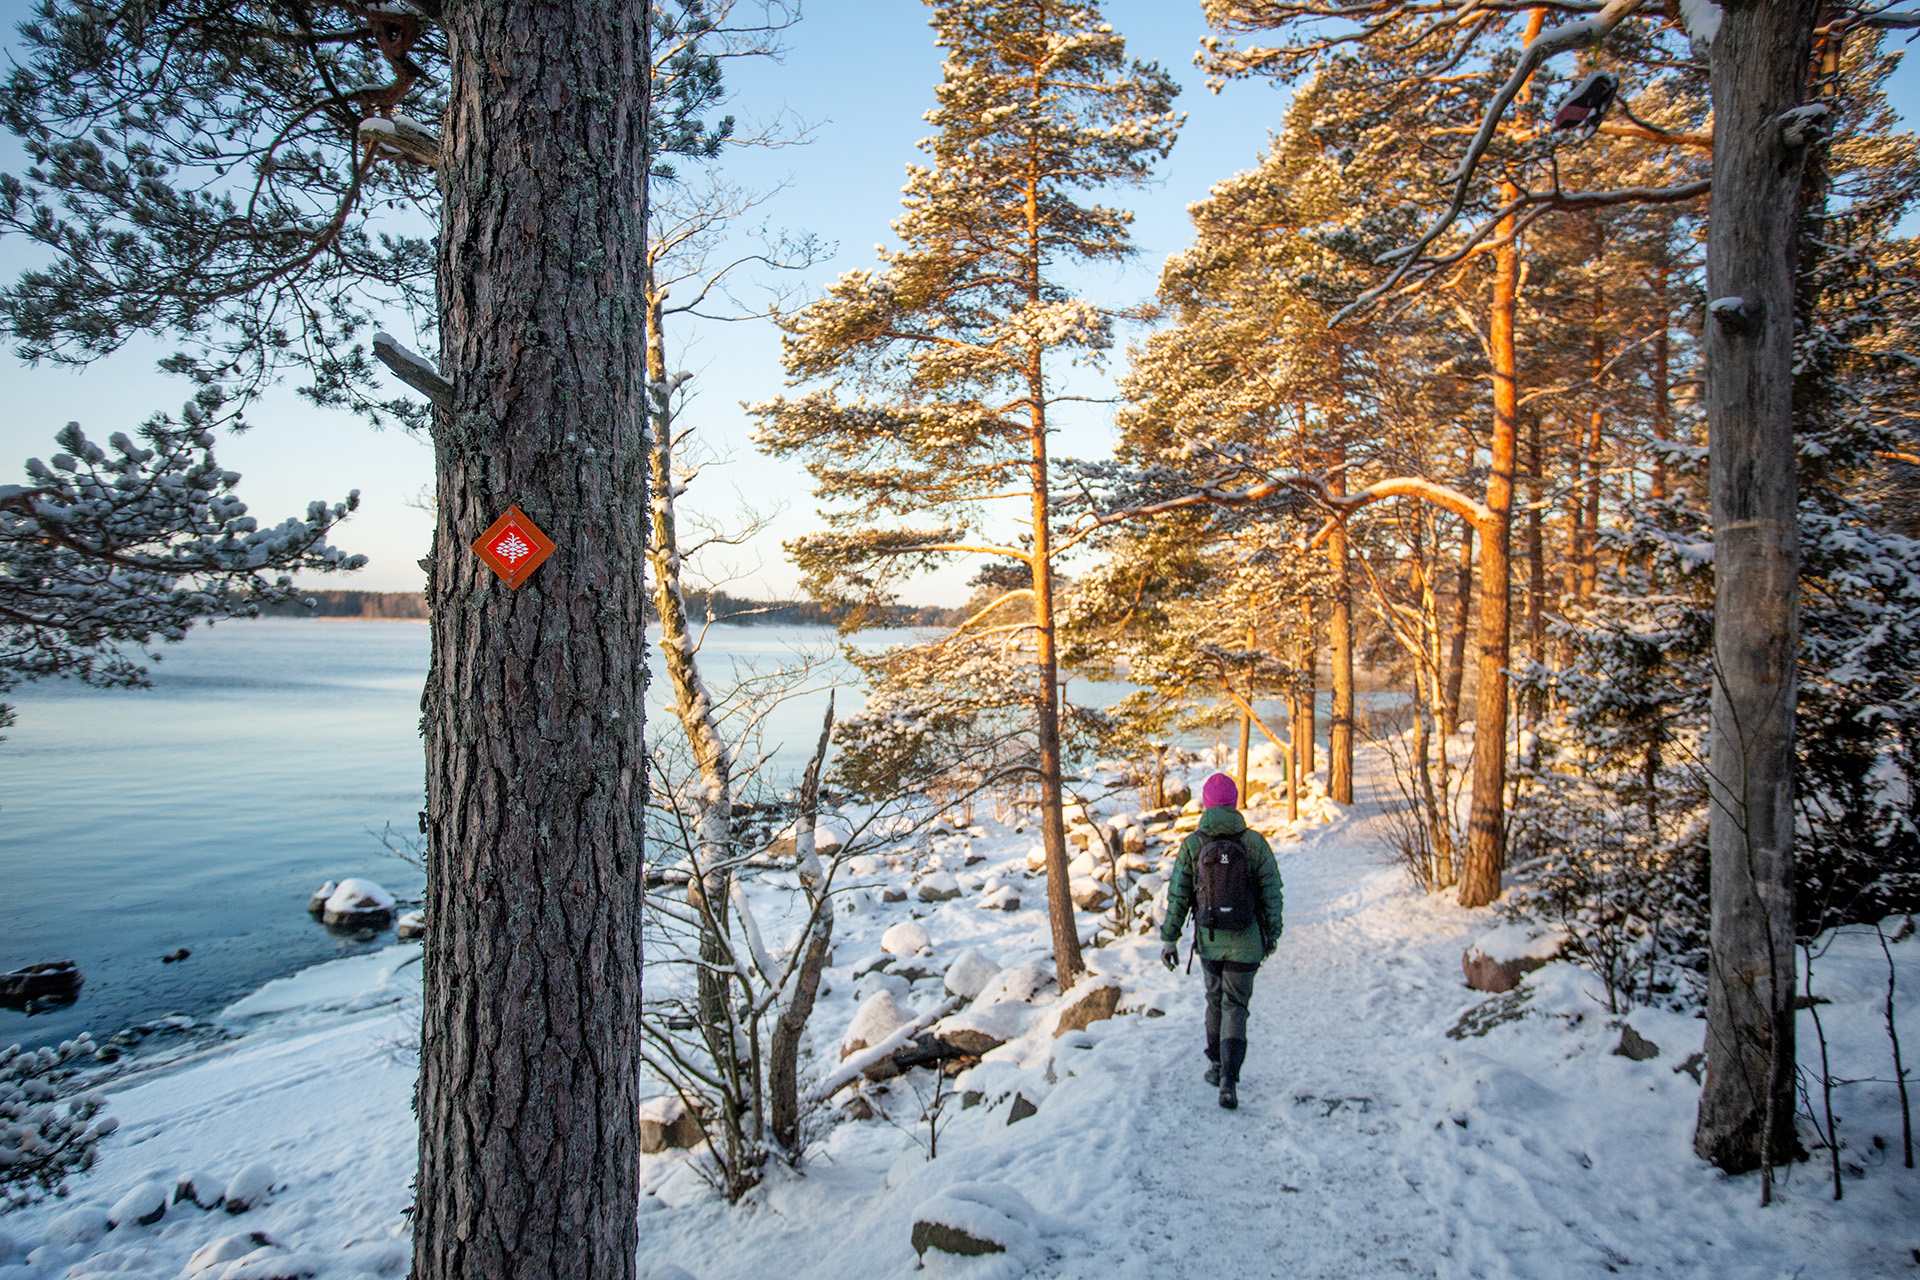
1369	1141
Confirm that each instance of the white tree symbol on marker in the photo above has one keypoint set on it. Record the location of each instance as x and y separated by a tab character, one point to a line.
511	548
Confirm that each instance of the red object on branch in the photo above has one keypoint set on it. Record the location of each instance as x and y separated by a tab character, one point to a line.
513	547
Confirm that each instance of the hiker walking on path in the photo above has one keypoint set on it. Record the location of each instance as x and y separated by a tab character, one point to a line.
1227	876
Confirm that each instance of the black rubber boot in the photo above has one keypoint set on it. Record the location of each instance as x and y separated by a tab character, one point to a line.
1213	1062
1233	1053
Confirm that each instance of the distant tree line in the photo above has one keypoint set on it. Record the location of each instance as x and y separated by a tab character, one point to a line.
716	606
349	604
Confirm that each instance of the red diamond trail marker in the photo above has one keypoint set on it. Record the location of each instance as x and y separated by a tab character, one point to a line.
513	547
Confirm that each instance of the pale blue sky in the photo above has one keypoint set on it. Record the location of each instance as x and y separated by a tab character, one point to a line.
863	71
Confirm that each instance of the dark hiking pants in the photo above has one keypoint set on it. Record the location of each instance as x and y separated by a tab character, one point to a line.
1229	988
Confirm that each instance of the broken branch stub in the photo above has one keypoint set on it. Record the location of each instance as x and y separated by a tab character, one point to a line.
413	369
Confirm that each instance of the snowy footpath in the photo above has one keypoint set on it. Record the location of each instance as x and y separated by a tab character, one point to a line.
1377	1135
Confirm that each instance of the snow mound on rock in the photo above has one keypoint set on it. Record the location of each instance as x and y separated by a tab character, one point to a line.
970	973
353	894
977	1218
907	938
876	1019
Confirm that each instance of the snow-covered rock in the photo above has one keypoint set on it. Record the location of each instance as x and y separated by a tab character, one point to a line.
1498	959
248	1187
984	1027
143	1206
1005	898
78	1226
358	904
197	1189
908	938
318	902
939	887
975	1218
878	1017
1091	1000
1021	983
411	925
666	1123
216	1254
1089	894
970	973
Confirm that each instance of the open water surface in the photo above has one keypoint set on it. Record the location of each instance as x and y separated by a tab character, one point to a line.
203	812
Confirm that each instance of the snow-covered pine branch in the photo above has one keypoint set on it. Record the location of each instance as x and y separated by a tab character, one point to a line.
118	546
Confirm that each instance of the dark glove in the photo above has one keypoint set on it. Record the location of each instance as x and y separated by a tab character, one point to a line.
1170	955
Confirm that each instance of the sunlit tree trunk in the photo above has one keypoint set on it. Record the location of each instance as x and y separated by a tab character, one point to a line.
1340	658
1487	825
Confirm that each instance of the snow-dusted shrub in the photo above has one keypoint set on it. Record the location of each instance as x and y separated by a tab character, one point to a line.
1608	832
47	1128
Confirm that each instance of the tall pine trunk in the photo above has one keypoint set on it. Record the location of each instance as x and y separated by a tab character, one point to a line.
1760	61
1487	825
1340	658
530	1032
1456	655
1053	832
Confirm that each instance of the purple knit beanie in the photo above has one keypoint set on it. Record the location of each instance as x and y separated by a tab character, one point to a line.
1219	790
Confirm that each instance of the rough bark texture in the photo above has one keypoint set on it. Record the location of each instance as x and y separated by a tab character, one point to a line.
1760	60
530	1031
1053	832
1457	634
1340	658
1487	826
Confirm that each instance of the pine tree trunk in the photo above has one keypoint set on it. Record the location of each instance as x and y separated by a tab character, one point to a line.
1457	634
1310	695
1487	825
1760	60
530	1063
1053	833
1340	658
1536	563
1662	385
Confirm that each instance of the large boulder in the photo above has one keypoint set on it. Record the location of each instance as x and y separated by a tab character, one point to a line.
1093	1000
1496	961
665	1123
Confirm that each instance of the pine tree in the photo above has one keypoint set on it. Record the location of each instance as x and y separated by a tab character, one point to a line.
963	332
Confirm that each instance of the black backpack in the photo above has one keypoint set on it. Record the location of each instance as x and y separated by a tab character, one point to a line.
1223	889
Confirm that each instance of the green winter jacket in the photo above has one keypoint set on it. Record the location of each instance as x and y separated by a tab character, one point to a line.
1246	946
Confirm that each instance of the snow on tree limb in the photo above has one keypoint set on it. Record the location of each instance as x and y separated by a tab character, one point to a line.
119	547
